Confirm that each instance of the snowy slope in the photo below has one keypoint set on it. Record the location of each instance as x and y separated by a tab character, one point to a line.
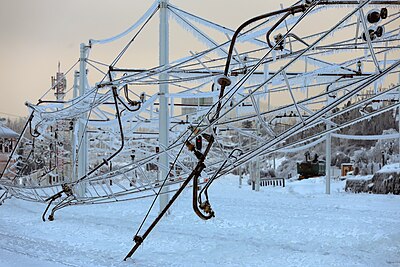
294	226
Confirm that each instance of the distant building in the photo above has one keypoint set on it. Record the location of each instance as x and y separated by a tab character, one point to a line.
7	142
191	105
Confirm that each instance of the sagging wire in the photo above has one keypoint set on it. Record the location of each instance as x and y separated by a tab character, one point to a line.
35	132
206	204
16	144
238	84
198	31
133	103
199	55
216	116
134	37
296	128
169	81
360	79
224	81
201	156
269	151
67	187
287	55
115	61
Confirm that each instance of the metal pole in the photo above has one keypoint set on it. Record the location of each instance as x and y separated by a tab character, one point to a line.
305	80
240	167
258	157
74	136
163	90
82	135
328	161
328	154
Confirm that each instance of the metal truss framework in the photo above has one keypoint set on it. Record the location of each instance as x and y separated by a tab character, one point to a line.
269	81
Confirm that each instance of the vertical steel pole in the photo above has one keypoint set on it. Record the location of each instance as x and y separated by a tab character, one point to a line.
82	136
163	91
258	179
74	132
328	161
398	114
328	154
240	167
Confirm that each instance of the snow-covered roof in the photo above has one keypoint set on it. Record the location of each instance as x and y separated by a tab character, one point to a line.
7	132
391	168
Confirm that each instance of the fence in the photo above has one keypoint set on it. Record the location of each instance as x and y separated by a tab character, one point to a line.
272	182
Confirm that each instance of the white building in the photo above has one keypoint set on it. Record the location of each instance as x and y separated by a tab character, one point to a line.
7	142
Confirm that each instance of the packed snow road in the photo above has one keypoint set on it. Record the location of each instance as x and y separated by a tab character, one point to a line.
293	226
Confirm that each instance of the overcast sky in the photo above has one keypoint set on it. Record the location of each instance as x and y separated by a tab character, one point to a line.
35	35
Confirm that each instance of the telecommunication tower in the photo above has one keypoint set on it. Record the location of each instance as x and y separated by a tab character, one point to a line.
59	84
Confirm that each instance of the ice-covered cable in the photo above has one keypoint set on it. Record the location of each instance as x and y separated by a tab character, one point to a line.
304	147
366	137
150	11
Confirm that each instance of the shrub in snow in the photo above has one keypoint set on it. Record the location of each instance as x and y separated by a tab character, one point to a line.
288	168
389	148
361	156
339	158
269	173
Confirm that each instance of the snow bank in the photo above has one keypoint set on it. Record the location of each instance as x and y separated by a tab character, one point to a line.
297	225
390	168
359	177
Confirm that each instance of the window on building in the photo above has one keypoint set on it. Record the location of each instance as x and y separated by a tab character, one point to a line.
5	149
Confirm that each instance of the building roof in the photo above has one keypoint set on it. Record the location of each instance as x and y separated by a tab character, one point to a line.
7	132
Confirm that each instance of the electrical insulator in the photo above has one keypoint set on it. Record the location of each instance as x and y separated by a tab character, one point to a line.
375	15
280	41
374	32
380	30
371	33
142	97
199	142
384	13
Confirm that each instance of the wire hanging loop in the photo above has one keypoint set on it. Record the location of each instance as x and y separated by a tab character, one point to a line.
232	155
204	210
67	188
279	39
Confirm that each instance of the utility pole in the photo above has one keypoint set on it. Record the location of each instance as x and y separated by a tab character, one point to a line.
328	160
258	178
240	168
74	132
83	166
398	117
328	144
163	91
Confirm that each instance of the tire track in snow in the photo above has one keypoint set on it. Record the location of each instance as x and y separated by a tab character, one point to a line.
51	251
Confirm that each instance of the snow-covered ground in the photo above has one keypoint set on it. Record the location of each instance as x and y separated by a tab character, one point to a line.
395	167
297	225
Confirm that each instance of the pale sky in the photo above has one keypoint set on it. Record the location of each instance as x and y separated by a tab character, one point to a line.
35	35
